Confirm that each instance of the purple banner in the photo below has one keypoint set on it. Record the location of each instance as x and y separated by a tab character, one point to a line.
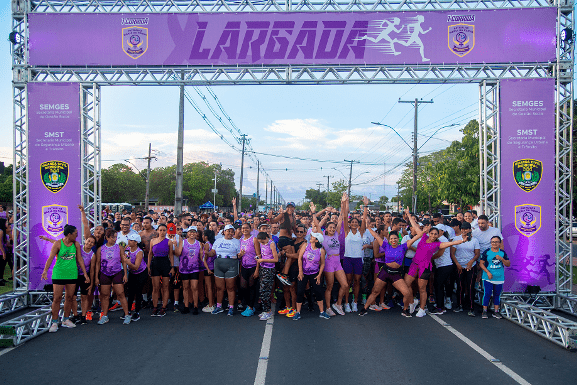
528	182
414	37
54	183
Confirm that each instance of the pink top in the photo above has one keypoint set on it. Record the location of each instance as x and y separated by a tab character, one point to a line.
425	251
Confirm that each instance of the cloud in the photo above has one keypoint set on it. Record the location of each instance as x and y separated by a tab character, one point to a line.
302	133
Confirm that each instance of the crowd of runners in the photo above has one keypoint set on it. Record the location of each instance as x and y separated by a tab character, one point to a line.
341	260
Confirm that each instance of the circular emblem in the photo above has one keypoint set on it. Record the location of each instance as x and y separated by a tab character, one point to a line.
527	217
461	37
54	218
134	39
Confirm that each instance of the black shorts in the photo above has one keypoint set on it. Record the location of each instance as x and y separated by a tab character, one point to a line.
64	281
284	241
293	272
189	276
160	267
247	272
115	279
81	283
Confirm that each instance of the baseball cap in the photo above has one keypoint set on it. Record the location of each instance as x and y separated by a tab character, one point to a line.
290	204
228	227
319	237
191	228
133	237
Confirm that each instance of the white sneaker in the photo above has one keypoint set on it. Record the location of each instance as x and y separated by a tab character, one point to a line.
448	304
338	309
413	306
347	308
421	313
330	312
375	307
354	307
265	316
53	328
68	324
207	309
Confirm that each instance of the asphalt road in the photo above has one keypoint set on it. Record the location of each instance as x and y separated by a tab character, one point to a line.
378	348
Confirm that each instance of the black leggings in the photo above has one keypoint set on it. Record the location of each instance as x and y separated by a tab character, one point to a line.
302	285
443	284
465	282
248	286
135	284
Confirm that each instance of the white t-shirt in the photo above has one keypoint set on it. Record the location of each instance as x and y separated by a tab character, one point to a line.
121	238
354	245
410	253
445	259
466	251
484	237
446	228
368	239
226	248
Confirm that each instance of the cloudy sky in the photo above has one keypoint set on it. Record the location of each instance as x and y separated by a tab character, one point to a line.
324	123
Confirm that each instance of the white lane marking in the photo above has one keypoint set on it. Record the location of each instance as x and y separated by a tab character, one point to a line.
260	378
478	349
7	350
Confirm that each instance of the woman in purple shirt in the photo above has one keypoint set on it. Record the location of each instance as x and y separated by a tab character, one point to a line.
190	251
138	275
160	262
248	283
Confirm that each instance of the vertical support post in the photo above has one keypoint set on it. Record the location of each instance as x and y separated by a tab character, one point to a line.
257	184
147	194
179	152
241	173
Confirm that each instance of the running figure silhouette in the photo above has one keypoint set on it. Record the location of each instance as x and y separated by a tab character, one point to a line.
414	38
384	34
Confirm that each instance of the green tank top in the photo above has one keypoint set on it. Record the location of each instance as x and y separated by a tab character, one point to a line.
65	266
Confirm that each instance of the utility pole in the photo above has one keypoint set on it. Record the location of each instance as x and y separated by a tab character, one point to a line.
241	173
350	176
416	103
328	180
257	191
271	195
179	153
266	194
147	196
214	192
398	198
319	186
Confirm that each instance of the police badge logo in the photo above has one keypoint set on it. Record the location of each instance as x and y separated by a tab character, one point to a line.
54	174
54	217
135	41
528	219
527	173
461	39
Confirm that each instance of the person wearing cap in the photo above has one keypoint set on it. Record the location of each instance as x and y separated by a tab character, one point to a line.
465	257
311	266
190	251
137	277
227	251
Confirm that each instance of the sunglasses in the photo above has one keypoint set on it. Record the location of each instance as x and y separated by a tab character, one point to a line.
300	232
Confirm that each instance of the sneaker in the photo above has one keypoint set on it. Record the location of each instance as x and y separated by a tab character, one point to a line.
248	312
330	312
432	299
127	320
265	316
347	308
123	316
484	315
384	307
458	309
471	313
291	313
375	307
186	310
74	319
405	313
438	311
53	327
413	306
115	307
240	306
284	311
208	309
135	317
324	315
83	320
297	316
421	313
216	310
68	324
195	311
133	307
354	307
176	310
89	316
363	312
154	312
103	320
283	279
338	309
230	312
497	315
448	304
162	312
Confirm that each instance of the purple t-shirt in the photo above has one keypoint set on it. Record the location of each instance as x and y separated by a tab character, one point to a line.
332	245
311	260
190	257
210	260
425	251
86	257
393	254
132	255
266	253
110	263
249	258
160	249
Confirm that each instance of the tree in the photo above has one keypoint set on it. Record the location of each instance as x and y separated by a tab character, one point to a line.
316	196
121	184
